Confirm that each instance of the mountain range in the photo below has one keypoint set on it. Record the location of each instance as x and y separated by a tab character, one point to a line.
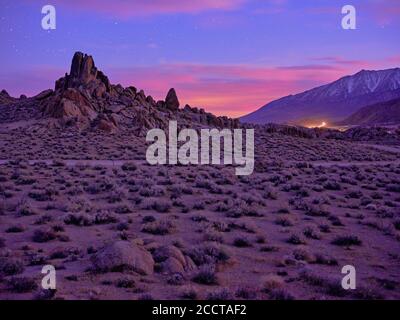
332	102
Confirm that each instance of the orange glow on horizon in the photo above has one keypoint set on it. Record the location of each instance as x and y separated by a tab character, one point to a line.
323	124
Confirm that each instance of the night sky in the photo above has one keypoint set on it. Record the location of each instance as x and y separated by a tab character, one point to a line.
228	56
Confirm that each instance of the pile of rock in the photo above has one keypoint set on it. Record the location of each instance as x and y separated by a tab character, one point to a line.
86	95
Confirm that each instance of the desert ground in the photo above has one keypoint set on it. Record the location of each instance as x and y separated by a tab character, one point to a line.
116	227
77	193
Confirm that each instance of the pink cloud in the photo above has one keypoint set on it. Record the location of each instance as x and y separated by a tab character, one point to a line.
229	89
132	8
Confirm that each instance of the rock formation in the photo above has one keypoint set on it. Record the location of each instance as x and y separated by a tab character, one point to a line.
85	76
123	255
171	101
86	98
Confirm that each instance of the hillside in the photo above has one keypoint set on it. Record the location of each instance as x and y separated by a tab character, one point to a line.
331	102
385	113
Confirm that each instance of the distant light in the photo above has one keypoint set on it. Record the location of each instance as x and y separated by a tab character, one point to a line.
322	125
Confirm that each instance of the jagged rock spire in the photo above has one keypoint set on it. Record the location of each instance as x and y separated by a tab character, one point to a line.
83	67
83	73
171	101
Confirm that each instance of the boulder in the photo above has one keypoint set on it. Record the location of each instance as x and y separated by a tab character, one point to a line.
130	91
66	108
105	122
5	97
172	260
118	89
106	126
150	100
115	108
171	101
141	97
44	94
4	93
160	104
126	101
123	255
76	96
71	103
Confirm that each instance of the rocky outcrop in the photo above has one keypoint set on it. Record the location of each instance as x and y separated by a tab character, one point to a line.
81	94
85	76
69	103
171	101
106	122
123	255
87	97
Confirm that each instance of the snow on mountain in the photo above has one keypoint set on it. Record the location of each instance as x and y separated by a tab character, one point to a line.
333	101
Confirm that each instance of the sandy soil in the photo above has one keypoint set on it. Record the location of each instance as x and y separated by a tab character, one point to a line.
285	232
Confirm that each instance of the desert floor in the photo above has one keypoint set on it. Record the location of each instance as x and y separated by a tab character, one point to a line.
311	207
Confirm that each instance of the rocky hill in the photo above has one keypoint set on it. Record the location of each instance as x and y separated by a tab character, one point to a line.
86	98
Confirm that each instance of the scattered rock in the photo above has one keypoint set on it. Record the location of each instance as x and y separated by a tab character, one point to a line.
123	255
